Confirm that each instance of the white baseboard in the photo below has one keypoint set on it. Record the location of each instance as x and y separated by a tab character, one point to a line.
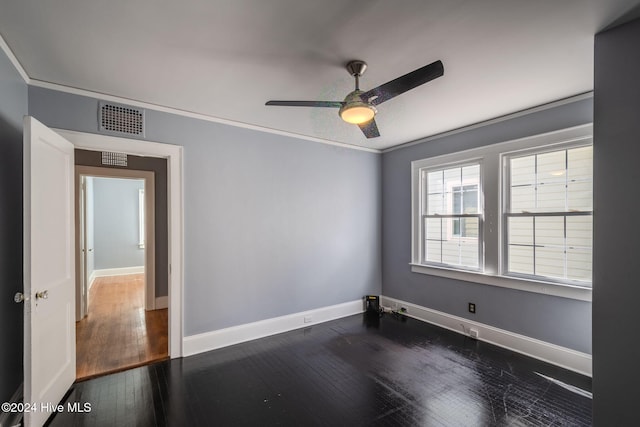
118	271
162	302
200	343
92	278
552	353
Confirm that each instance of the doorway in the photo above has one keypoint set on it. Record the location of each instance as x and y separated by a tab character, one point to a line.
120	324
172	155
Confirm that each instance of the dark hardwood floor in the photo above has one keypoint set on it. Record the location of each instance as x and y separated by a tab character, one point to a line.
118	333
354	371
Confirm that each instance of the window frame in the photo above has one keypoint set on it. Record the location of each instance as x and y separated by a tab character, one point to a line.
492	202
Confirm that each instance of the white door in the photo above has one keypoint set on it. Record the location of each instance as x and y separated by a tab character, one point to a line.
49	270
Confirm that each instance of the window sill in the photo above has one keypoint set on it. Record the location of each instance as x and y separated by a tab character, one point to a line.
539	287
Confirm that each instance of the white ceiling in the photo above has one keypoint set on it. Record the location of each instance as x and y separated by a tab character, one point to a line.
225	58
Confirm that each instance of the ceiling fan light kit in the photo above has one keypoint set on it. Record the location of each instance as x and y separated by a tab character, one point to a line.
355	111
358	107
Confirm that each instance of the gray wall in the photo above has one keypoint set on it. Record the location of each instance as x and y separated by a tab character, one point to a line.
273	225
116	223
616	270
557	320
13	106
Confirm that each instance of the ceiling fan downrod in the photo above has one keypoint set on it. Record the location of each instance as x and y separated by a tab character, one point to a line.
357	68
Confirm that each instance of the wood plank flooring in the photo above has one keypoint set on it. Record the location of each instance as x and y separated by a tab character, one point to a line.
118	333
355	371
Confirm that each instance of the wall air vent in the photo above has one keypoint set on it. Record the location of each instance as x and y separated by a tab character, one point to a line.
114	159
118	119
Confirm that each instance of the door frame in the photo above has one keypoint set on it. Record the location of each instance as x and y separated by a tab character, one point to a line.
80	223
174	156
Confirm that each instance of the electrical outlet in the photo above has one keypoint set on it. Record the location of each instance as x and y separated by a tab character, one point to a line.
472	307
308	319
473	333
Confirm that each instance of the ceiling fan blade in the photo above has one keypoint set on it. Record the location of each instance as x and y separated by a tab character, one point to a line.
370	129
402	84
330	104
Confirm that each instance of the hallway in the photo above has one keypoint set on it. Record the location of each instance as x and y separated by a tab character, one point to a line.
118	333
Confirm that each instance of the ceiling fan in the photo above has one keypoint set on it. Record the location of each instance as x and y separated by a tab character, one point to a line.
359	107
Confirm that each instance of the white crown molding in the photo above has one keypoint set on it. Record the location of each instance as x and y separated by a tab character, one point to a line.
18	66
190	114
560	356
207	341
82	92
506	117
185	113
91	94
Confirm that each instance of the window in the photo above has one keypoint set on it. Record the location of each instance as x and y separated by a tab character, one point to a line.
451	215
548	214
516	214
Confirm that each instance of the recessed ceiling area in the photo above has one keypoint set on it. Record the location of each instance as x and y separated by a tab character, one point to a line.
226	59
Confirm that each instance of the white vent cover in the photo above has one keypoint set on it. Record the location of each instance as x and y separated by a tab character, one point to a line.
114	159
120	119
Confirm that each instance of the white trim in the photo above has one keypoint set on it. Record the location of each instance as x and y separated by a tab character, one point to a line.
162	302
92	278
493	121
542	350
17	65
141	218
207	341
174	156
538	287
190	114
120	271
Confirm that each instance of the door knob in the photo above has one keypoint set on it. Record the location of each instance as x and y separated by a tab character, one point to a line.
18	297
42	295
